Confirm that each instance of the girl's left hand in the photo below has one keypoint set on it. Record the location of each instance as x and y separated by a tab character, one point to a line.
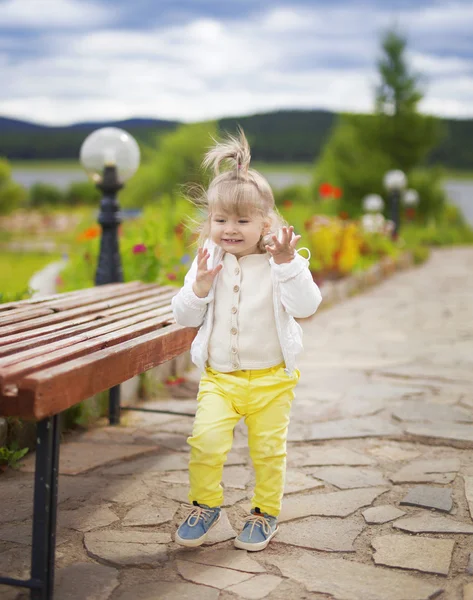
283	251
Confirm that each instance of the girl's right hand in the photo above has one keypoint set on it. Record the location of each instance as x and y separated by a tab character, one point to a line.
205	277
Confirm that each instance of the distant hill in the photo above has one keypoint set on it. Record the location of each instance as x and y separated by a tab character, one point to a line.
282	136
21	140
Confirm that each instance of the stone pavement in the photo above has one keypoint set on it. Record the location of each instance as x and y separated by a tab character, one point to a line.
379	491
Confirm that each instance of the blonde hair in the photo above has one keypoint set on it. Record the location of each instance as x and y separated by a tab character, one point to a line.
236	190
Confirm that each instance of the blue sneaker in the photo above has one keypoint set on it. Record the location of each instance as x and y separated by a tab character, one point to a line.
258	531
194	529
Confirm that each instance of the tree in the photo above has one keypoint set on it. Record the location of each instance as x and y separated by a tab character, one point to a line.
404	134
363	147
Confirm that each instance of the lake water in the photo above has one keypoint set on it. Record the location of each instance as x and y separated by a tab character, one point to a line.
460	192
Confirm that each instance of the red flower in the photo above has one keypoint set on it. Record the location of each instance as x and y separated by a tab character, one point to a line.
179	229
139	248
325	190
337	192
171	276
410	213
89	234
344	215
287	204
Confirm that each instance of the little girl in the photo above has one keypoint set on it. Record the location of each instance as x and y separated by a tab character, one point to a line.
243	291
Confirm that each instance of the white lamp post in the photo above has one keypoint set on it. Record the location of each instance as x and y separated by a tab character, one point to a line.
110	156
411	200
373	203
373	220
395	182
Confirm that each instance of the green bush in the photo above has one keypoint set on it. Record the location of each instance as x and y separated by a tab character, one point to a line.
11	193
44	194
174	162
429	186
82	192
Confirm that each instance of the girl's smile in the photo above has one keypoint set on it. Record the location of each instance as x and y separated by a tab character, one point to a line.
237	234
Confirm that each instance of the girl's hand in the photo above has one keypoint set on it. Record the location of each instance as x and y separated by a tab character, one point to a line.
283	251
205	277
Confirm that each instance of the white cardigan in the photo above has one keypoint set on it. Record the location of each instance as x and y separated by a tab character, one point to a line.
294	295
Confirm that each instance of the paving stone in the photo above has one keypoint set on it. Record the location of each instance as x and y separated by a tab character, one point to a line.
308	456
171	441
432	523
256	588
87	518
332	504
429	412
299	482
430	555
348	580
469	568
428	471
86	581
393	453
468	591
181	494
458	432
222	531
128	548
123	492
236	477
329	535
168	590
347	428
216	577
15	563
351	477
469	492
163	461
228	558
382	514
176	477
79	457
21	533
429	496
148	514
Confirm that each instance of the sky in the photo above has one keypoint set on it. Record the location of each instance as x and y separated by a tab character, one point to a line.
69	61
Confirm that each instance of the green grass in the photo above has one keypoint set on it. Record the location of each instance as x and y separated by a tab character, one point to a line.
16	269
40	165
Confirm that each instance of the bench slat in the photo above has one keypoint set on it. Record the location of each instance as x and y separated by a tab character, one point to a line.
31	336
85	299
51	391
108	288
101	329
90	323
66	315
12	373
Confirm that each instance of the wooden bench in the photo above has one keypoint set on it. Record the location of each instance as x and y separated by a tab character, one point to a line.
59	350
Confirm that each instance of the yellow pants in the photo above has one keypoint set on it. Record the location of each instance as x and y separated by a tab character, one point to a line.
264	398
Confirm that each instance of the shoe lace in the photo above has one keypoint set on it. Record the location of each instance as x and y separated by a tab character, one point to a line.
258	519
196	513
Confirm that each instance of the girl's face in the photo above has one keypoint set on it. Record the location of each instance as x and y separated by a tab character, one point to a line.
238	235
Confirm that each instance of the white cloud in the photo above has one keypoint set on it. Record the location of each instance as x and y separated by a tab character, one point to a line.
51	14
207	68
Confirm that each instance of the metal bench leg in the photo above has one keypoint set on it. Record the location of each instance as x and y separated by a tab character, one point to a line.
114	405
45	508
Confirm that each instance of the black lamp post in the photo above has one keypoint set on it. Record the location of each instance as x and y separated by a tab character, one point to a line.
110	156
395	183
